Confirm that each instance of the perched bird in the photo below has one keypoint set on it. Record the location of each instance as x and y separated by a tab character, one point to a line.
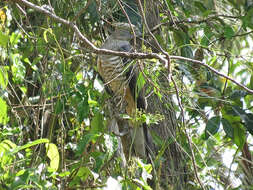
120	76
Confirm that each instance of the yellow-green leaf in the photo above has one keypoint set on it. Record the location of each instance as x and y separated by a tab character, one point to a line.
45	34
2	16
53	155
28	145
3	78
4	39
3	112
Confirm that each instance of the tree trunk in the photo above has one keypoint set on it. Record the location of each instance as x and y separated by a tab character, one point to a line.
167	158
172	164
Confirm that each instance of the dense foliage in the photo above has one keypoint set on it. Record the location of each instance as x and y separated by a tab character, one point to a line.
54	111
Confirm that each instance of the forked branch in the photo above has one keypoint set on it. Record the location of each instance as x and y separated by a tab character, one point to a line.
135	55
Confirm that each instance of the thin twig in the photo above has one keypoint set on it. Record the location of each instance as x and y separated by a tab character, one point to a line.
234	36
30	106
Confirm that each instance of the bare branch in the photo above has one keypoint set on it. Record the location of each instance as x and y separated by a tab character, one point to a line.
214	17
88	43
213	70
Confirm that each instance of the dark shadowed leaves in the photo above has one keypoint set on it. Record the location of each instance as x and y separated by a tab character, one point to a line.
227	127
212	126
249	122
239	136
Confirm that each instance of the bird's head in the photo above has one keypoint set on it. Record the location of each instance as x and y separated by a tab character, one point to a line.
123	31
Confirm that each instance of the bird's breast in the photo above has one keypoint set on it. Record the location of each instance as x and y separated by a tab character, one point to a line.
111	68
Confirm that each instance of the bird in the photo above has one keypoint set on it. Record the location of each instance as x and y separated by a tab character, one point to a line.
120	76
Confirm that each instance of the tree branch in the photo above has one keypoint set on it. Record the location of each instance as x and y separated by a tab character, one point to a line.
136	55
213	70
214	17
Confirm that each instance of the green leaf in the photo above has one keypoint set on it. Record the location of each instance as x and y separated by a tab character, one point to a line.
247	19
33	65
213	61
28	145
212	126
14	39
179	37
18	69
64	174
239	136
157	140
140	83
9	144
3	112
59	106
207	36
200	6
45	34
84	142
187	52
236	111
228	32
251	82
146	170
21	181
248	118
5	148
238	94
80	101
4	39
132	12
97	125
92	9
90	101
100	159
84	173
82	110
227	127
53	155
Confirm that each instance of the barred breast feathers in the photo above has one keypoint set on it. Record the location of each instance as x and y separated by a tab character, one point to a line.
112	67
